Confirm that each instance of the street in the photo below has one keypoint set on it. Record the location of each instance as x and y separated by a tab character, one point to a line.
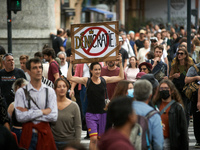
192	140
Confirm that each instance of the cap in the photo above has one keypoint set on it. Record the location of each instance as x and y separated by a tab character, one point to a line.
131	32
150	78
146	64
142	31
154	39
120	39
140	74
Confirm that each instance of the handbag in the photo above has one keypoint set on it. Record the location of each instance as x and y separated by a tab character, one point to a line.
160	74
191	89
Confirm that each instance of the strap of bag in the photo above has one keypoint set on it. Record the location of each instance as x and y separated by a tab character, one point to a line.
87	84
58	67
150	114
104	82
169	104
197	69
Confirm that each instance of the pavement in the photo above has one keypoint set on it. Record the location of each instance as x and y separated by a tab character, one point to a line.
192	140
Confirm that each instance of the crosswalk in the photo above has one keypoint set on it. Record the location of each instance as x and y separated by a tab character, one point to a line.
192	140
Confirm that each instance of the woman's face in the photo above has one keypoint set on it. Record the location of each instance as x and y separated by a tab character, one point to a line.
144	69
159	36
61	89
132	61
181	55
130	86
96	71
174	36
164	86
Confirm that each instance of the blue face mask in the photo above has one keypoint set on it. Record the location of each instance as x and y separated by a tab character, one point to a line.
130	93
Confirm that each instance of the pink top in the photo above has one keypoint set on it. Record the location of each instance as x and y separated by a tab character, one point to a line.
131	73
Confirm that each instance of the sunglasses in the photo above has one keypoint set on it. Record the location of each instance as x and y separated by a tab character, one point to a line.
143	69
180	53
7	54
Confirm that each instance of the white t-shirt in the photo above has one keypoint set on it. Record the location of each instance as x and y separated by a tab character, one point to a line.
141	55
64	69
86	70
164	55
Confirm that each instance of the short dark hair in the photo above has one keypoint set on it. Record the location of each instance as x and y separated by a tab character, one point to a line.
59	31
68	32
34	60
38	54
160	47
49	52
119	110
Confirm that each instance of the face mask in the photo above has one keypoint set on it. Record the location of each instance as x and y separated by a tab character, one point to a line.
164	94
130	93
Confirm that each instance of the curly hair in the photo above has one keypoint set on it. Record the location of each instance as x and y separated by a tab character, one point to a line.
188	61
174	92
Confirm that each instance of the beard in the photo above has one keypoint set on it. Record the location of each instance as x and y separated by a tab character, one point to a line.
110	64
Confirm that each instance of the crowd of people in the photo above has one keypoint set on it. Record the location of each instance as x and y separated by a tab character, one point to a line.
49	100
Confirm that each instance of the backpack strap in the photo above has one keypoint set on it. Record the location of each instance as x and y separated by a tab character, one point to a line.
197	69
165	108
87	84
27	96
58	67
150	114
104	82
47	93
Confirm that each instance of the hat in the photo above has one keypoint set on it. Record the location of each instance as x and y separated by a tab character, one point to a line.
146	64
154	39
150	78
120	39
140	74
131	32
142	31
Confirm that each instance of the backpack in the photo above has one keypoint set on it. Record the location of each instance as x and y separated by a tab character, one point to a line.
140	132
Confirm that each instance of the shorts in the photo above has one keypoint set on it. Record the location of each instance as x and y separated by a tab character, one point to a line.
95	123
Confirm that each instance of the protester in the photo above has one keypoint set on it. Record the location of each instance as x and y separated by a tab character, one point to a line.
143	51
96	98
123	118
16	126
38	111
143	94
67	128
63	64
173	117
132	69
23	59
145	67
8	75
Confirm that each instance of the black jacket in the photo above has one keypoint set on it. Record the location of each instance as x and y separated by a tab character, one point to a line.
178	127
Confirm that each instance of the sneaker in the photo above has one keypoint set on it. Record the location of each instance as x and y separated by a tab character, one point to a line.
197	145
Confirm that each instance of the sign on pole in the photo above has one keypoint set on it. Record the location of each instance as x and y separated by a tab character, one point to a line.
95	42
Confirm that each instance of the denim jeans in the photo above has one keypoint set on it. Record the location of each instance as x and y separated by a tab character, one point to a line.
60	145
33	141
18	132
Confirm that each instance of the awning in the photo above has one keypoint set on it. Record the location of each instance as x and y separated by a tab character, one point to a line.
107	14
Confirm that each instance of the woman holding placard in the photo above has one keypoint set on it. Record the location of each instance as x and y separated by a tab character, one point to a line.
96	90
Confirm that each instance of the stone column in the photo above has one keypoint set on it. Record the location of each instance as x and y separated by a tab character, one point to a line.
31	27
122	11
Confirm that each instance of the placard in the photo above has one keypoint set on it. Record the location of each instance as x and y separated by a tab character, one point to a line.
95	42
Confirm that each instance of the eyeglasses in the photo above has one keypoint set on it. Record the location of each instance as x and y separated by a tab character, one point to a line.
164	88
7	54
143	69
180	53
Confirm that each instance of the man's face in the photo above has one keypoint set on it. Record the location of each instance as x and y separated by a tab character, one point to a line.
158	53
63	59
9	63
46	57
35	71
23	64
124	37
111	63
146	44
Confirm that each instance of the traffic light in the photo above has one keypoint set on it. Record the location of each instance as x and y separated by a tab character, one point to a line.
15	5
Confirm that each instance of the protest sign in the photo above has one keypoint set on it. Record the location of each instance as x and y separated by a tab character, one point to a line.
95	42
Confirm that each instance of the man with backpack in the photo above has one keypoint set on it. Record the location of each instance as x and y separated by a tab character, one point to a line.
152	133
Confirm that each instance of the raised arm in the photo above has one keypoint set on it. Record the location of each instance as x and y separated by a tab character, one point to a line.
114	79
80	80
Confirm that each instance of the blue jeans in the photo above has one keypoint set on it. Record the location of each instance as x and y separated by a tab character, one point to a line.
18	132
33	141
83	102
60	145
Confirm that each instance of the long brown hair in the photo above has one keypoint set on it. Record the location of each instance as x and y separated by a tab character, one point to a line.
136	62
174	92
121	88
187	61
